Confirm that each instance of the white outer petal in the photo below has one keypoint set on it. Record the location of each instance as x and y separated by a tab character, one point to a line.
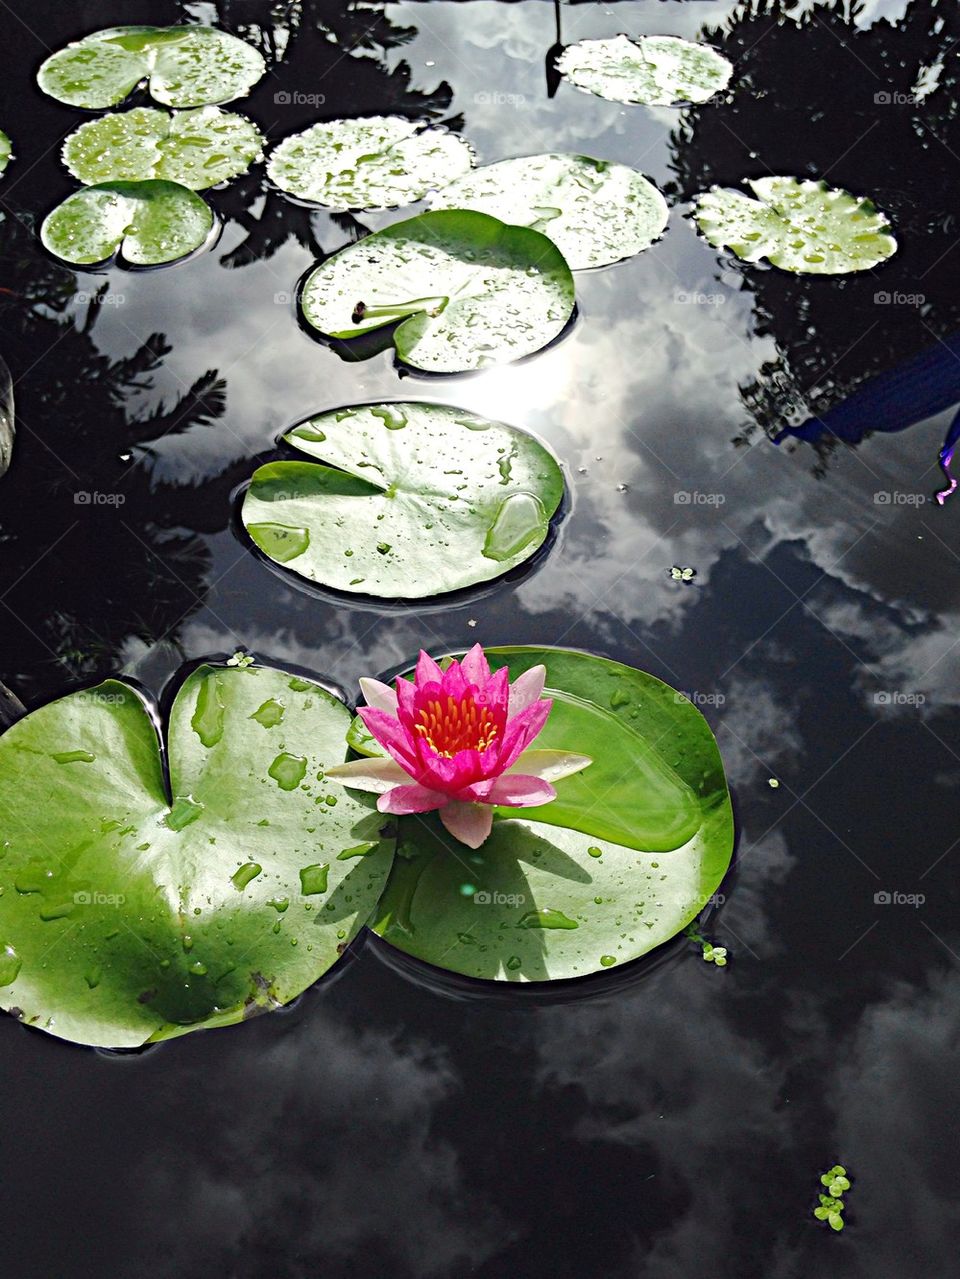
526	689
550	765
468	823
379	695
377	775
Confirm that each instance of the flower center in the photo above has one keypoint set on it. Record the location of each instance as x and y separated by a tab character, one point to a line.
451	726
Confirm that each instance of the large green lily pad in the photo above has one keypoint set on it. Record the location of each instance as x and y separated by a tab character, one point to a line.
132	913
797	224
148	223
413	500
469	290
189	66
595	211
375	162
551	894
196	148
652	70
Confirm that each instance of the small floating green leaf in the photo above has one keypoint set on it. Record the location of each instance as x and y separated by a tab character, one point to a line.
421	480
652	70
375	162
186	66
147	223
198	148
595	211
464	290
797	224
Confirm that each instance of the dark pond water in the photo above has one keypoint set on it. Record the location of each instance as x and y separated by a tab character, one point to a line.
671	1120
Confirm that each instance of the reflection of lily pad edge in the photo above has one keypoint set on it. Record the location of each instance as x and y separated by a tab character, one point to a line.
368	162
186	66
799	225
464	290
584	883
198	148
597	212
6	152
647	70
403	500
134	913
147	224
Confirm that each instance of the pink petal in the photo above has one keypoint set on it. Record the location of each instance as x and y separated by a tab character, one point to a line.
550	765
428	672
469	823
455	682
496	693
476	667
390	734
379	695
526	689
522	729
518	790
410	799
377	775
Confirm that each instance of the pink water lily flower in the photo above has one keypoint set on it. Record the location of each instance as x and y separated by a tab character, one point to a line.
458	742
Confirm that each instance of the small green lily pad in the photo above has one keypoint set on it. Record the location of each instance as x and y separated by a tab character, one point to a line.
197	148
595	211
6	151
549	894
797	224
188	66
468	290
132	911
376	162
412	500
147	223
652	70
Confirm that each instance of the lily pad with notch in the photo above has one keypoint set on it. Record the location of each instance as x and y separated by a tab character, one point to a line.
404	500
187	66
799	225
651	70
136	909
198	148
147	223
465	291
621	861
595	211
372	162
